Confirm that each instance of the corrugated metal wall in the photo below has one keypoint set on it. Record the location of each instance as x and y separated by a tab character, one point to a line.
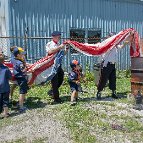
4	25
41	17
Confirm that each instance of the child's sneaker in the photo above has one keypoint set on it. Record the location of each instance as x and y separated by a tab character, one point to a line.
73	103
23	109
76	99
15	105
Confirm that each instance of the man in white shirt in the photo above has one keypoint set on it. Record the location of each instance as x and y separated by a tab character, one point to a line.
56	82
108	71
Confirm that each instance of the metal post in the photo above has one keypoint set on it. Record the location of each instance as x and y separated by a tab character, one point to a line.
25	39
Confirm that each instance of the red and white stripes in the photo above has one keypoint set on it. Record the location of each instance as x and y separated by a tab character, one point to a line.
108	44
43	68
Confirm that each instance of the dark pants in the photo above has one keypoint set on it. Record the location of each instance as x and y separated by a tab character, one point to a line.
107	73
4	100
56	82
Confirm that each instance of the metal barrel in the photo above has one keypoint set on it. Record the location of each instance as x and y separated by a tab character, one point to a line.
136	74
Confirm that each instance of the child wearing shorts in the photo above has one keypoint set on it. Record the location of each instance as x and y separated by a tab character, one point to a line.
74	80
13	86
20	73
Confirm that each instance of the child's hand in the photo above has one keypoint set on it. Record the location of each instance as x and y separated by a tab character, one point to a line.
77	82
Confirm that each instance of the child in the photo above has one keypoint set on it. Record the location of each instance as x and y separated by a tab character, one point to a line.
19	71
74	80
20	50
5	76
13	86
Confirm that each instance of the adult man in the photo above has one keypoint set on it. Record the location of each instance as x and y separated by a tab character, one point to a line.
54	47
108	71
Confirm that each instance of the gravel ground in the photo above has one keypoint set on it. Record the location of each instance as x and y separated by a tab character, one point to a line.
41	125
35	125
121	133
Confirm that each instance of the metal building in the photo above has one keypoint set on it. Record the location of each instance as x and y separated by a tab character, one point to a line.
78	18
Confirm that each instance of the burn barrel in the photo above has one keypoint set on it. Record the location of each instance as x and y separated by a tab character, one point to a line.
136	74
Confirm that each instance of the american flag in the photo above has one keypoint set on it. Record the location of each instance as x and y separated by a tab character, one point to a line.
46	68
43	70
99	48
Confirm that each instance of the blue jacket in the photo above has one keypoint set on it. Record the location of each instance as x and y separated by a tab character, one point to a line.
5	76
73	76
18	69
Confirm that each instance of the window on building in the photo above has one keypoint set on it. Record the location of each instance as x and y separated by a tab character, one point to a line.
94	36
77	35
90	36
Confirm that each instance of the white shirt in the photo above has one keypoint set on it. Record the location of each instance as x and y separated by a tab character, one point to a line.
51	46
110	56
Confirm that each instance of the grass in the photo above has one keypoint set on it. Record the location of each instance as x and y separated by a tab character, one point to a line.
77	121
22	140
89	125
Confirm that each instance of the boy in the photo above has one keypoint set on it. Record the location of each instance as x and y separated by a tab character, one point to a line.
13	86
19	71
74	80
5	76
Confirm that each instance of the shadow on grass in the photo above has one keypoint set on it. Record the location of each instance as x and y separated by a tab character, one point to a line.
65	98
35	102
122	94
31	103
105	98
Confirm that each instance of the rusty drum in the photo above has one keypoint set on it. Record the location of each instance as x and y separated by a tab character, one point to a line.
136	74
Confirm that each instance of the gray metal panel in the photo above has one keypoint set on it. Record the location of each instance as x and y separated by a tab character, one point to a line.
43	16
4	25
